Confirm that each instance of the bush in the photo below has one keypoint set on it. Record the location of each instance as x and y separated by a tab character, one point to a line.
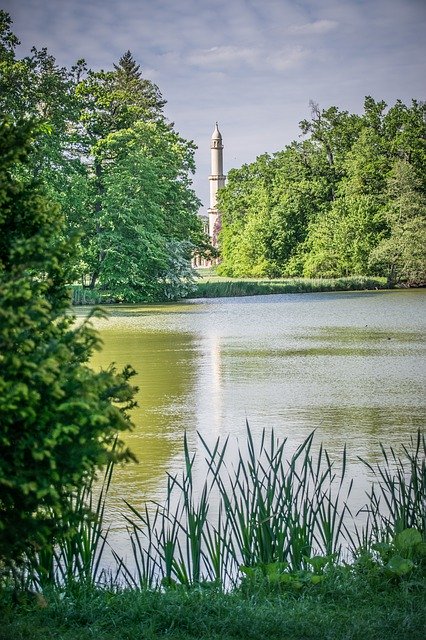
58	418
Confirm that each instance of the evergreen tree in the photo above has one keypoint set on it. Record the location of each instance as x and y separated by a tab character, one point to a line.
143	208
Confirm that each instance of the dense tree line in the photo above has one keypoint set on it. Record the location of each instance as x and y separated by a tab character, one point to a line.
108	156
349	199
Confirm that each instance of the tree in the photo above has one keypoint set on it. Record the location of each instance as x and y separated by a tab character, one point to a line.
101	135
266	207
244	204
334	131
323	207
58	418
36	88
402	252
147	215
143	210
341	240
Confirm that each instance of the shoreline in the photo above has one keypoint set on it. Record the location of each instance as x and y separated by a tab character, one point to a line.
212	286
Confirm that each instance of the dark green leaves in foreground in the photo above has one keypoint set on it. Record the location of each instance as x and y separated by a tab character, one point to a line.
58	419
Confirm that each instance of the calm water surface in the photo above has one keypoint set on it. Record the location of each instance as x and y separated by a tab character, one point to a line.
350	365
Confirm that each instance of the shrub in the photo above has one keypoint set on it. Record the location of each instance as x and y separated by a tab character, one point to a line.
58	418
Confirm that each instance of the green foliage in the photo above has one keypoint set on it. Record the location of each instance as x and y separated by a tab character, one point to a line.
277	577
402	252
342	239
349	200
120	172
219	287
58	418
139	231
140	225
277	520
401	560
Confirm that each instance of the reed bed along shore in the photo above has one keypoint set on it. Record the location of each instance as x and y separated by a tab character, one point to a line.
211	286
208	285
279	557
279	519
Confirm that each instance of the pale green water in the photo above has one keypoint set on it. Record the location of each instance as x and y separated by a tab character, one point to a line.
351	365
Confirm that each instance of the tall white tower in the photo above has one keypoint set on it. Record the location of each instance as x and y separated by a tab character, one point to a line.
217	180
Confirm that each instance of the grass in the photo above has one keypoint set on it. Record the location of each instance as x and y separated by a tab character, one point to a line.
212	286
268	564
342	611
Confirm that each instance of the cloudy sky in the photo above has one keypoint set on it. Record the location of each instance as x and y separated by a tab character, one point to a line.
252	65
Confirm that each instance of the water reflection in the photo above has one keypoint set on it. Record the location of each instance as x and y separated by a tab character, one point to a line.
166	365
208	397
350	365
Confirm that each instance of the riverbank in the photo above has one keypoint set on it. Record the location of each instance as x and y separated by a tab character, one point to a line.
295	583
209	285
345	609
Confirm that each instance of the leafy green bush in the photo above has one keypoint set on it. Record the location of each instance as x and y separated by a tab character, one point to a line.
58	418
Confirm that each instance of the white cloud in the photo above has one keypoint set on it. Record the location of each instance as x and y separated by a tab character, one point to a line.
287	59
223	55
318	27
261	58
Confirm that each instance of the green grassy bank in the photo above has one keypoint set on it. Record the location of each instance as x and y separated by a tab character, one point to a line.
279	560
211	286
344	609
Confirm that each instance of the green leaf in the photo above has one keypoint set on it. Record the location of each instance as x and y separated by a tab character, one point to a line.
399	566
407	539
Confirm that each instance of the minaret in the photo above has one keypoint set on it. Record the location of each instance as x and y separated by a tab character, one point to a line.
217	180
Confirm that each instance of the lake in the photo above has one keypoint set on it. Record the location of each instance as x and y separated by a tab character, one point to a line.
350	365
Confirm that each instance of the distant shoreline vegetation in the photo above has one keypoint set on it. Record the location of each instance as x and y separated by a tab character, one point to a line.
226	287
346	198
221	287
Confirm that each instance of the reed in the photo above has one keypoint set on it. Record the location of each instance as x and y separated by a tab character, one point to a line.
281	521
174	544
396	500
216	287
272	511
76	556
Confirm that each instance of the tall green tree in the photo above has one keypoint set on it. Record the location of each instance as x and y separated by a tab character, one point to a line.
402	252
59	419
339	243
324	207
266	207
141	227
143	248
84	117
36	88
244	204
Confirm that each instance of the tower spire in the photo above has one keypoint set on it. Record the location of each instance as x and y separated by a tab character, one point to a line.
217	181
